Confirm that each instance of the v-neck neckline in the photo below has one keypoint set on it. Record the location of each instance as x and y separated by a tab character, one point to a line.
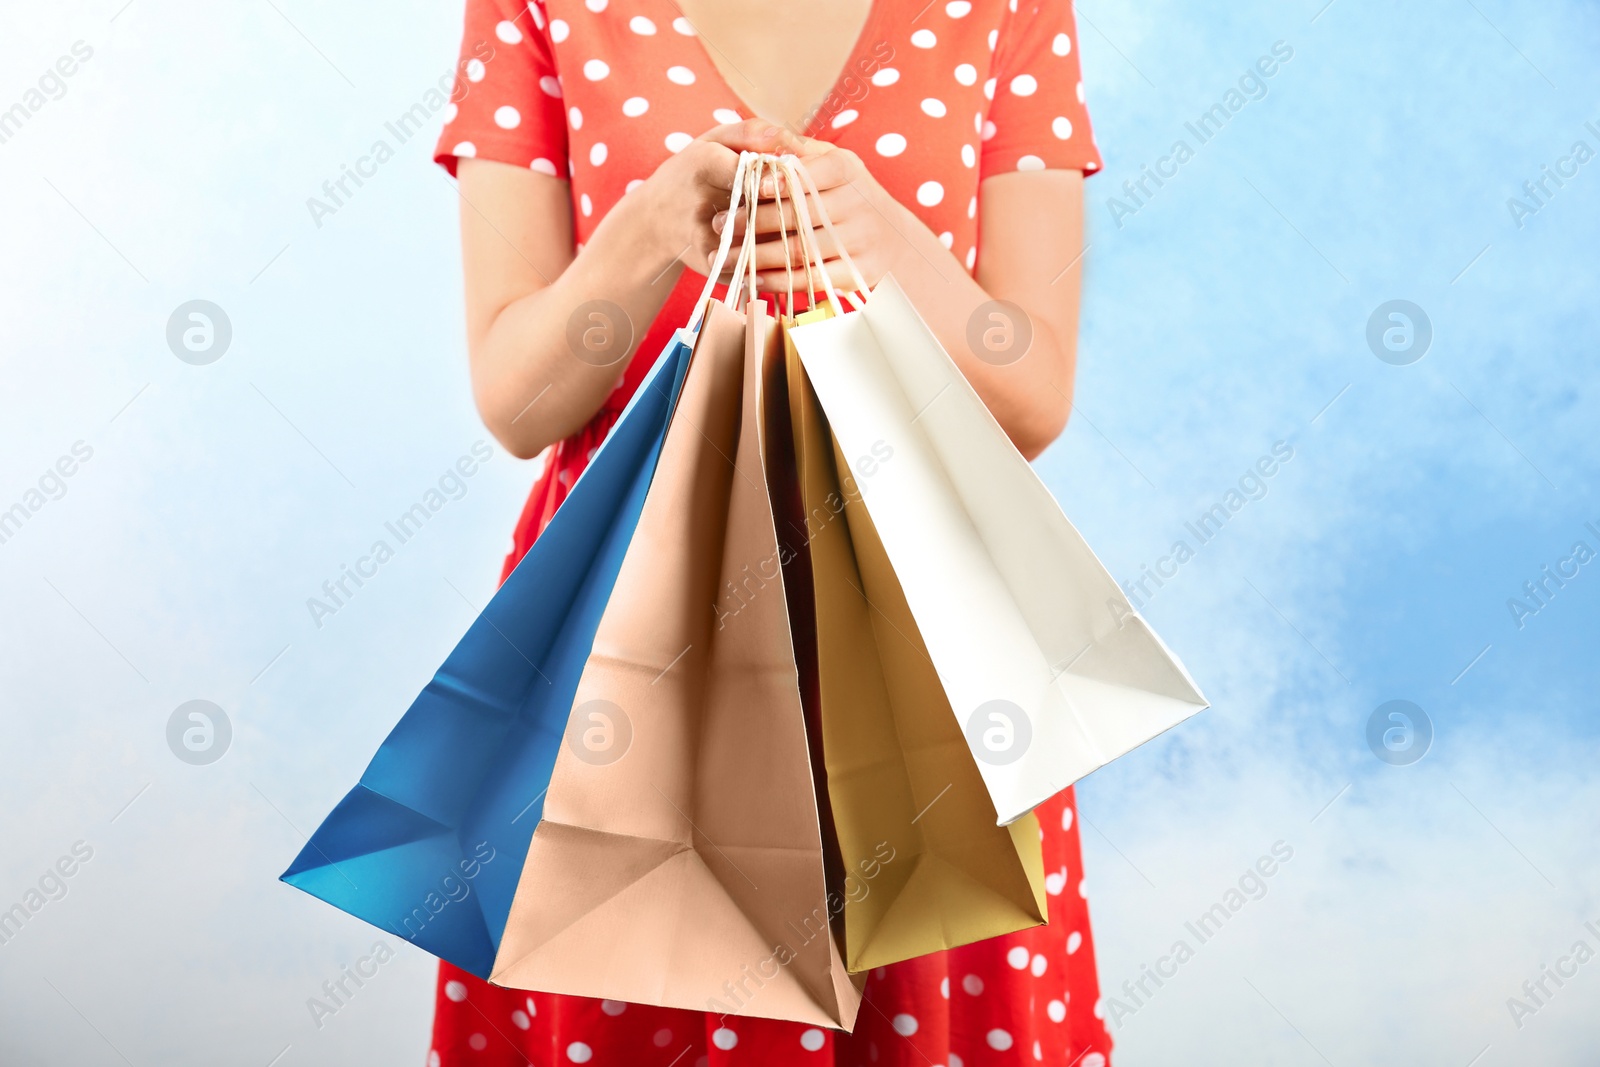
814	114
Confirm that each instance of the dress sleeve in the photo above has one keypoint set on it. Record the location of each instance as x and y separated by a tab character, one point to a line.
506	104
1037	119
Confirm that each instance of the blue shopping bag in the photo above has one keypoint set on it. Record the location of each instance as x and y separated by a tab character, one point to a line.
430	844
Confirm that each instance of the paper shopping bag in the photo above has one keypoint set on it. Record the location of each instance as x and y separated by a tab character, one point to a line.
430	843
899	773
1050	671
684	868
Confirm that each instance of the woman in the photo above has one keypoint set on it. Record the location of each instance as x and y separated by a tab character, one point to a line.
595	143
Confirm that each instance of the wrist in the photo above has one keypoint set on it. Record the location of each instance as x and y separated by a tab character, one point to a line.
913	244
644	233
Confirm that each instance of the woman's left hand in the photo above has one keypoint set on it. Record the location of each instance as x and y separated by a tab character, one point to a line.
1032	238
874	228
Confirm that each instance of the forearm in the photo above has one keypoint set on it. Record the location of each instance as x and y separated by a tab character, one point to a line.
1028	390
548	359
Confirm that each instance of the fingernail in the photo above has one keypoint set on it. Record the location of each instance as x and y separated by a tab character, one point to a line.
719	220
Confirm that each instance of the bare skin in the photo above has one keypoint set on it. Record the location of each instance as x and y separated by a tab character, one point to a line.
523	281
798	50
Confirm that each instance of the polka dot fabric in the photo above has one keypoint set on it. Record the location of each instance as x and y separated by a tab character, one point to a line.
600	92
1027	998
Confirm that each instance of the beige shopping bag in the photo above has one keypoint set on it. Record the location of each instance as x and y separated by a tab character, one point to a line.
679	862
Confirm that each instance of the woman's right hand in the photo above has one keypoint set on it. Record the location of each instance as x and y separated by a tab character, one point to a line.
690	188
526	288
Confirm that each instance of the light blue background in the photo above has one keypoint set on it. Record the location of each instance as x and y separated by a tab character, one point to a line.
1227	314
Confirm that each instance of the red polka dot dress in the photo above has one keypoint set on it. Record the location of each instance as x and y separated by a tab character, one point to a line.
933	99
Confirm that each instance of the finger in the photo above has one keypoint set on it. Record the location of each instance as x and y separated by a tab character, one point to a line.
775	254
764	256
810	146
814	243
825	245
831	167
715	168
747	135
771	217
725	276
753	135
840	203
819	244
771	255
838	274
776	181
716	155
741	223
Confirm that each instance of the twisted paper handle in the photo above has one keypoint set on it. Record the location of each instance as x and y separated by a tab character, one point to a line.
803	194
726	243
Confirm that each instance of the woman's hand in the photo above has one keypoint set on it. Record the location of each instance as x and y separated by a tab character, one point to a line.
1030	242
688	190
526	287
875	229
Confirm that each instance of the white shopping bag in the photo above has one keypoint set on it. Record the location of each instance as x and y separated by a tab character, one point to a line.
1048	667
